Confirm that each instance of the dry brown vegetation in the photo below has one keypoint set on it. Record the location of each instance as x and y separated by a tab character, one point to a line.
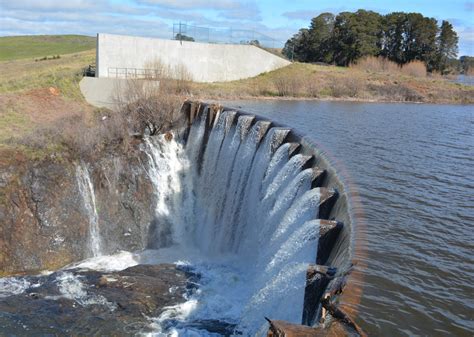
383	65
149	109
43	113
371	80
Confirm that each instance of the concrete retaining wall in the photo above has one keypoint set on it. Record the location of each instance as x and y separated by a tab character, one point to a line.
110	92
205	62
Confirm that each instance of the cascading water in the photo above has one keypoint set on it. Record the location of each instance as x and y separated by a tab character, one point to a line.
236	208
243	219
88	196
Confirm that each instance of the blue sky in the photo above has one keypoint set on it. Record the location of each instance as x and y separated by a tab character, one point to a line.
278	18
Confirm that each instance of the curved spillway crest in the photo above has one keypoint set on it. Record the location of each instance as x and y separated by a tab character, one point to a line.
247	204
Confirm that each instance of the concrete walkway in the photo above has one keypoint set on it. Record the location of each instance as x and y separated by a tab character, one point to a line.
108	92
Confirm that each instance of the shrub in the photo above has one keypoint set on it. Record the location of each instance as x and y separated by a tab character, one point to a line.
414	68
80	137
176	79
396	92
312	87
288	85
376	64
150	107
346	87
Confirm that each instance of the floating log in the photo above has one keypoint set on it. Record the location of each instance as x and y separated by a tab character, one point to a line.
286	329
340	315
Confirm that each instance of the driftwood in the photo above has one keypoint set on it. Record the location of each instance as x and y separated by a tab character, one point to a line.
286	329
340	315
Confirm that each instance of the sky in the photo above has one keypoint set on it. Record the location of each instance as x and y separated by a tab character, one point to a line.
279	19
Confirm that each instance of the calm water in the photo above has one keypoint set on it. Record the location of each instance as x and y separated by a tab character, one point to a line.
413	167
465	79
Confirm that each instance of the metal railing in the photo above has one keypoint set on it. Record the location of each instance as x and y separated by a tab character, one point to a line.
185	32
133	73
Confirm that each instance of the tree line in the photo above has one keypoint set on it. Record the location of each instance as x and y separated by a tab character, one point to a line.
401	37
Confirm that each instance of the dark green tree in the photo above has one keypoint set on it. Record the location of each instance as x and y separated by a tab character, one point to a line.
320	38
447	46
182	37
420	39
401	37
466	65
393	37
297	48
355	35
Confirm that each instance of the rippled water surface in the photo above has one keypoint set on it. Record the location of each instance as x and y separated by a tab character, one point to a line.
412	166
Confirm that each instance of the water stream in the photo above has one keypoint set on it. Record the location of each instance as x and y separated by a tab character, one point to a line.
86	188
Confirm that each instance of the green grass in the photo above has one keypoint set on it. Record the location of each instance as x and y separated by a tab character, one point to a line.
39	46
12	123
64	73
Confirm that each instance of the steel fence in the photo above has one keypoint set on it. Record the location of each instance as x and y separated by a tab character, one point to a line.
133	73
185	32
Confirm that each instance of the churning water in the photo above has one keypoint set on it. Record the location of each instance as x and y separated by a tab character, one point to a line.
412	166
235	205
240	211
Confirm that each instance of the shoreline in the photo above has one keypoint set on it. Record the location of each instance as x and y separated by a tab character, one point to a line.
320	99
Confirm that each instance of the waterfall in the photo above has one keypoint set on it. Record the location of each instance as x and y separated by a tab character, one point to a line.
167	169
88	197
243	201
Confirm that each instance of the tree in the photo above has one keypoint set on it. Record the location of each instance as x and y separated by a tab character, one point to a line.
182	37
467	65
320	38
296	48
447	46
355	35
393	37
401	37
420	40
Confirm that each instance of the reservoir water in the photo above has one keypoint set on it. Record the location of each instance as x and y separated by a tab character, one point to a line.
412	168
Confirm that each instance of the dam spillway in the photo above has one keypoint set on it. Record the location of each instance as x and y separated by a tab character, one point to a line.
249	207
256	194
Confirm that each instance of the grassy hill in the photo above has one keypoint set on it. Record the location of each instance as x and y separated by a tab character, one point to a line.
39	46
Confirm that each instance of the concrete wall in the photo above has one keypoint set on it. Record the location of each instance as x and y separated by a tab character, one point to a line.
111	92
205	62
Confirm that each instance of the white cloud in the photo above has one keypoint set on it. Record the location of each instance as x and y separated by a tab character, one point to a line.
53	5
193	4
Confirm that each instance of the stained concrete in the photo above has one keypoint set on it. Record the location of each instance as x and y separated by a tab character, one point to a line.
109	92
205	62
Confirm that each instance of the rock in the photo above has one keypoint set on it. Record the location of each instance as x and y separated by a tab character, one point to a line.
43	221
168	136
70	302
103	281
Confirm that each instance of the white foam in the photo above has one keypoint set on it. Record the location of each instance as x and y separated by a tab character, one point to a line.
250	267
71	287
13	286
